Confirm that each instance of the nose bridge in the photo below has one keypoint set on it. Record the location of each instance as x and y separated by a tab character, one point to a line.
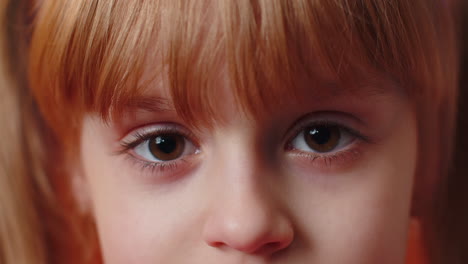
245	216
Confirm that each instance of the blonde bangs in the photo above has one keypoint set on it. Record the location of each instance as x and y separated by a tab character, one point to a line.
95	56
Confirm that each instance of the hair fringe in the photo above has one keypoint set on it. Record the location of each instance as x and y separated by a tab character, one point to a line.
95	56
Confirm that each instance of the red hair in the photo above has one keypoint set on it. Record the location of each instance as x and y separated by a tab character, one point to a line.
97	56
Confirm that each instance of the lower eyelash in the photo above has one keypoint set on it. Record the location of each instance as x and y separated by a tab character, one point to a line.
156	168
338	160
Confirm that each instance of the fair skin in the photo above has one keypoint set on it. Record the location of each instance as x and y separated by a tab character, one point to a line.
255	190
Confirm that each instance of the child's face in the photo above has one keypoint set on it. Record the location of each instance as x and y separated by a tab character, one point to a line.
326	180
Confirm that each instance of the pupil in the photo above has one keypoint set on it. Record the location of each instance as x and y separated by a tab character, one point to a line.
320	135
167	147
166	143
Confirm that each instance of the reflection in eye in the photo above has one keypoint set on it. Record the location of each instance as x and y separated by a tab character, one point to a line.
322	139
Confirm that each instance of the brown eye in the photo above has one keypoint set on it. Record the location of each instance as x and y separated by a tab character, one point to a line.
160	144
166	147
322	138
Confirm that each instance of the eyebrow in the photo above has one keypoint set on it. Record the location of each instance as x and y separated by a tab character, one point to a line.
154	103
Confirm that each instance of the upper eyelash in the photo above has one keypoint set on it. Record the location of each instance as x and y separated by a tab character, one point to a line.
327	160
306	124
143	135
138	137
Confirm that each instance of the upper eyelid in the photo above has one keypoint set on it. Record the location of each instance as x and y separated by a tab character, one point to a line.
153	129
353	135
305	122
139	135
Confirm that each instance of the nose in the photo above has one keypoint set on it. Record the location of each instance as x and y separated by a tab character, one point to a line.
247	221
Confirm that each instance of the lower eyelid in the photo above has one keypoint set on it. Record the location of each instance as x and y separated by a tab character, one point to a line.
160	172
332	161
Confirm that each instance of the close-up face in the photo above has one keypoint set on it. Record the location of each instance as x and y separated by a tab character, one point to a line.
233	131
324	179
264	131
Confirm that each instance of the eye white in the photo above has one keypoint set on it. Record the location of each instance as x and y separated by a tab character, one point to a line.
299	142
143	150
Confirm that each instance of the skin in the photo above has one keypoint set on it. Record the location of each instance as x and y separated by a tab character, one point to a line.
243	195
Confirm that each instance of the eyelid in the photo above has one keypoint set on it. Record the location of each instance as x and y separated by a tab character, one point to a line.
337	159
346	138
342	120
158	171
139	135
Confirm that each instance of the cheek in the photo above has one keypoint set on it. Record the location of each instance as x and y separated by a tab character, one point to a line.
363	214
138	223
118	224
142	230
133	226
356	217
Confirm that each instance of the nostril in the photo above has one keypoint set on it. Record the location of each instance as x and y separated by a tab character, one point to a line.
265	239
252	227
216	244
254	248
273	246
269	248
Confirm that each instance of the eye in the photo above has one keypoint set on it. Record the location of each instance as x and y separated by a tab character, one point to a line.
322	138
164	151
160	144
165	147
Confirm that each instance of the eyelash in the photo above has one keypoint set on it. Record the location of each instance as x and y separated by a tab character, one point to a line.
137	138
333	158
320	160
